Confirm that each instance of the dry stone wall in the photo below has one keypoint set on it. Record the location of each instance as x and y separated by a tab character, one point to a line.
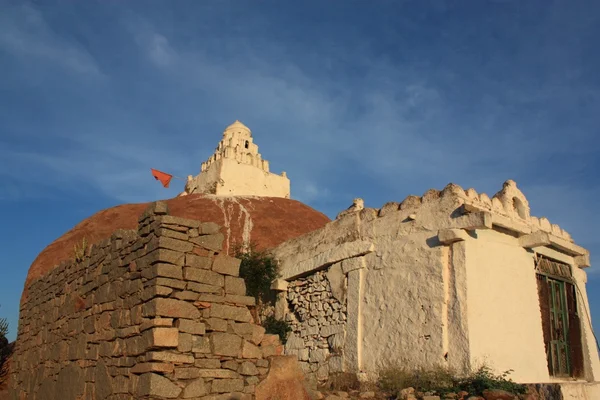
159	313
318	317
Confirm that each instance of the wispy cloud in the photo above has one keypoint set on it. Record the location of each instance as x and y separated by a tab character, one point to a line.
25	33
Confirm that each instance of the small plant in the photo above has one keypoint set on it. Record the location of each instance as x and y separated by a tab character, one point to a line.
79	252
484	379
441	381
277	327
258	269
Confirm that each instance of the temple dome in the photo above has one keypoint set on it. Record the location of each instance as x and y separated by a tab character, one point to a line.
237	126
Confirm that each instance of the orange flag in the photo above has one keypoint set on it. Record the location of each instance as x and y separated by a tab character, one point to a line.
163	177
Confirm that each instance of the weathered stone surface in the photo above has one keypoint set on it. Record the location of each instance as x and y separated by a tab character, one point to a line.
241	314
190	326
195	261
285	381
251	351
169	357
204	276
247	368
337	282
154	385
162	337
142	368
195	389
185	344
226	265
203	288
156	322
219	373
160	307
186	373
253	333
162	270
235	286
227	385
225	344
216	324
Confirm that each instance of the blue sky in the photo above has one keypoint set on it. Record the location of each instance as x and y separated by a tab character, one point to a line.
373	99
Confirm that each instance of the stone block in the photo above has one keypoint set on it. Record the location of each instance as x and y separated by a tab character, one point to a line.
161	337
186	373
169	357
204	276
253	333
142	368
154	385
156	291
226	265
171	233
225	344
329	330
216	324
196	261
240	314
235	286
190	326
201	344
208	363
230	364
188	223
248	369
162	270
211	242
187	295
279	285
240	300
156	322
185	343
196	389
164	256
165	242
160	307
251	351
172	283
227	385
219	373
203	288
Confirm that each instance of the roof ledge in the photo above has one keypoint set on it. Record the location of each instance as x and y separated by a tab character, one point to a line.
541	238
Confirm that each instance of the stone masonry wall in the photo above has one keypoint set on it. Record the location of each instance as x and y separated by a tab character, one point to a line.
318	319
157	313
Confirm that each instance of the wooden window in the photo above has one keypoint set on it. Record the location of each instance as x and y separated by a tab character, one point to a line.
561	324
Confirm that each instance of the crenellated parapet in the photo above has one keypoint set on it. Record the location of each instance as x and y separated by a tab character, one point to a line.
508	208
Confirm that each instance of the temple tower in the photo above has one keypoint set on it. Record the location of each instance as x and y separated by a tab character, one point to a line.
236	168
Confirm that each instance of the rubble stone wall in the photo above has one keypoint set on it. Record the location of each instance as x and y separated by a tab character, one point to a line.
317	315
157	313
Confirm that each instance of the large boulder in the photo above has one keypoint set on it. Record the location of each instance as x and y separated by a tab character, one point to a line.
263	221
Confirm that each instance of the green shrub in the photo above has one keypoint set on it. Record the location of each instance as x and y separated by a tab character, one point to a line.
277	327
441	380
484	378
259	269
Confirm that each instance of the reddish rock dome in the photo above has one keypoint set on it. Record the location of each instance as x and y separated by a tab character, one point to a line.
263	221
